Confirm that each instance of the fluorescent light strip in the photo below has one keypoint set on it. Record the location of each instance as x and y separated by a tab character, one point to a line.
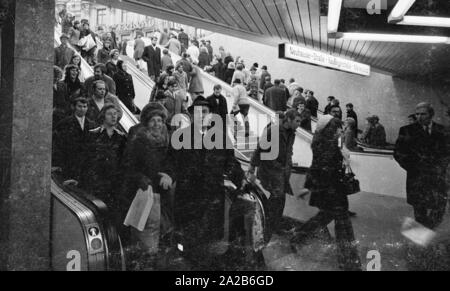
425	21
334	13
400	9
393	37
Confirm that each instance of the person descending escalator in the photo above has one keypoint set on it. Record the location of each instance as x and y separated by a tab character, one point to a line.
111	65
125	86
99	99
104	54
324	180
65	92
273	166
70	139
146	165
102	173
200	192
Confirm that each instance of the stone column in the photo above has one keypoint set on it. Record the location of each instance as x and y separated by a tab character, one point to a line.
25	134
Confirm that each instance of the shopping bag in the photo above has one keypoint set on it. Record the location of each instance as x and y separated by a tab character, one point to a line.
148	238
140	209
417	233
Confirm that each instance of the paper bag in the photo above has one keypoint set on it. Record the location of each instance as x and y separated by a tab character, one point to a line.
140	208
417	233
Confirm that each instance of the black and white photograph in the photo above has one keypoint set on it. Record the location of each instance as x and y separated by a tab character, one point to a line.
244	137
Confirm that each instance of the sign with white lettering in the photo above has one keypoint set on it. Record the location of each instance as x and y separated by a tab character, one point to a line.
309	56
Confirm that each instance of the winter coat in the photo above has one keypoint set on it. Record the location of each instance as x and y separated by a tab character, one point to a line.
275	173
93	110
70	143
125	88
63	55
153	58
425	158
166	61
111	70
325	174
139	47
184	39
110	84
313	105
103	56
200	192
174	46
145	158
196	84
203	60
103	171
275	98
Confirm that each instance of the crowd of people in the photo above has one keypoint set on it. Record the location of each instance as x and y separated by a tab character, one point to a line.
91	152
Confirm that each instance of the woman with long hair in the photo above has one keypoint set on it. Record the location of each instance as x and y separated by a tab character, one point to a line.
324	181
76	60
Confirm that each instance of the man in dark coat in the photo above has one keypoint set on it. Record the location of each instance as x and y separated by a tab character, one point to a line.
264	74
100	98
63	54
184	40
422	151
200	193
218	103
125	86
312	104
275	97
352	114
100	75
152	56
210	50
70	141
275	172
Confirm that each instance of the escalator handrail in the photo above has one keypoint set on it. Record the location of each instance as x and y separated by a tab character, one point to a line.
97	211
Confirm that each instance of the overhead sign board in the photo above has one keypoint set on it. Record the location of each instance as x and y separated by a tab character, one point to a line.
309	56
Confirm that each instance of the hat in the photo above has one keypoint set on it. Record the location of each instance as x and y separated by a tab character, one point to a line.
153	109
64	36
199	101
323	121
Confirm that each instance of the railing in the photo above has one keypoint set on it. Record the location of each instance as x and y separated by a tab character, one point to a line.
83	238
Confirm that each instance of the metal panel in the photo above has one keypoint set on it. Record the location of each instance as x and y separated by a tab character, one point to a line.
314	16
292	7
304	14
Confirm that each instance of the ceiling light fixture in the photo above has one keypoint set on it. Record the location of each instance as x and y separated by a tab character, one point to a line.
400	9
425	21
393	37
334	14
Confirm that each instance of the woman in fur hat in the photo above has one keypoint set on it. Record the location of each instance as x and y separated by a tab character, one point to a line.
146	165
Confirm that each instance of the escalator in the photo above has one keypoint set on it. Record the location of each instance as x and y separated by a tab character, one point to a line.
82	214
83	236
376	169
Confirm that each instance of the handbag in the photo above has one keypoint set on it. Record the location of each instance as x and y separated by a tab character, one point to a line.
349	183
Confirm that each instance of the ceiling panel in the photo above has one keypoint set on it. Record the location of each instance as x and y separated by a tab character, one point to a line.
296	21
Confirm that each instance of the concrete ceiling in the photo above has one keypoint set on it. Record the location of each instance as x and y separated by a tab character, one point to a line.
295	21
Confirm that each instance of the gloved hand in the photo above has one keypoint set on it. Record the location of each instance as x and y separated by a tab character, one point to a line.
166	182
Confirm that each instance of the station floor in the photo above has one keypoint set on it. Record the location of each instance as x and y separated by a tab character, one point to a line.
377	227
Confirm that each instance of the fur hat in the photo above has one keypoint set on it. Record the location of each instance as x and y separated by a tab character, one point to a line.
153	109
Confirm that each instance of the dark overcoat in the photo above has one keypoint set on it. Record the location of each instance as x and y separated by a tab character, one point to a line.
425	158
